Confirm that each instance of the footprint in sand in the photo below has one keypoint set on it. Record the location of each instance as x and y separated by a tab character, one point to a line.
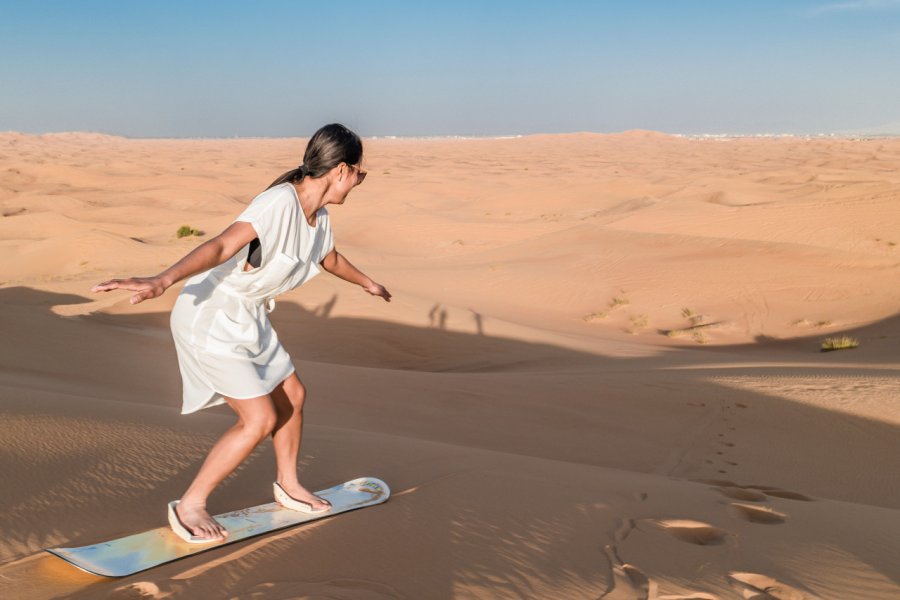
693	532
628	582
758	514
768	588
717	482
140	589
780	493
739	493
753	493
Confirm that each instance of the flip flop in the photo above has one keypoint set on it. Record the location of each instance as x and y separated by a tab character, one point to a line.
288	501
182	531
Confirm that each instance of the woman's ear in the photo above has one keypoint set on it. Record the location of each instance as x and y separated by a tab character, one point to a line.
341	171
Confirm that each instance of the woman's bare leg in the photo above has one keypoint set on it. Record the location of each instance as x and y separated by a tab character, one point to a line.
256	418
289	397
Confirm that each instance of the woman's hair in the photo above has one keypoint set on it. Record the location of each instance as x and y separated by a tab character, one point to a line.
327	148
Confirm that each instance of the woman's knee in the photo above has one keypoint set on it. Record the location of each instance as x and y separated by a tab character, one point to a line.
260	425
295	391
256	416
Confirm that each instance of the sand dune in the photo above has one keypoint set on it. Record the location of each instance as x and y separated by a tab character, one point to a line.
599	375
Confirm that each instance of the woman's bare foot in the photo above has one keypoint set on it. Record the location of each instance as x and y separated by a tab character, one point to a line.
298	492
198	521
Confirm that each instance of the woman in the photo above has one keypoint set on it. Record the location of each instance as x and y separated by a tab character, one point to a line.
227	350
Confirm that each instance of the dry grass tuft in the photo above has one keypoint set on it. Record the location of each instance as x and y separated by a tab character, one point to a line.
839	343
639	320
595	315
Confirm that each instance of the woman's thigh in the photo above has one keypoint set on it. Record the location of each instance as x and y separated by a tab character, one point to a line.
254	411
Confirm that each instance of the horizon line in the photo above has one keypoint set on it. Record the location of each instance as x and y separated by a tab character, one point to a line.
842	134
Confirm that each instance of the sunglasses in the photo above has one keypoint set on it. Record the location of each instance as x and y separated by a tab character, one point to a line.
360	174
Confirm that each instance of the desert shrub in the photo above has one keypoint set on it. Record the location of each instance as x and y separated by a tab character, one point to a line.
839	343
186	230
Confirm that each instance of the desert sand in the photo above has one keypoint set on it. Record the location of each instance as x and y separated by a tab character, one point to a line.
599	376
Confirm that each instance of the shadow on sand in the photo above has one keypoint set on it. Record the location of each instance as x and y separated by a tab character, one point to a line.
591	397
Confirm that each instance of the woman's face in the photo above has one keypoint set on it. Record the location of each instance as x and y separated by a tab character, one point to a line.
347	178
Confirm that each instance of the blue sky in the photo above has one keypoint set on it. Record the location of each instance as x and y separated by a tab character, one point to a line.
283	68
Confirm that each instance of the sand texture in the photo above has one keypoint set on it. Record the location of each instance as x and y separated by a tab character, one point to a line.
599	376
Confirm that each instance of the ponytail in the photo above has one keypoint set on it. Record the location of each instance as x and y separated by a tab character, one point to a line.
327	148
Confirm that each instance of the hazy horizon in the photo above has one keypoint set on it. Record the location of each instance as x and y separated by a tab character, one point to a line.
864	135
282	69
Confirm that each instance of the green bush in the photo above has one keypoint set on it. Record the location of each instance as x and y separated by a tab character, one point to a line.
839	343
186	230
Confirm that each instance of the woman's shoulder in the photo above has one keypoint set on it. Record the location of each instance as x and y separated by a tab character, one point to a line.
282	189
280	195
270	204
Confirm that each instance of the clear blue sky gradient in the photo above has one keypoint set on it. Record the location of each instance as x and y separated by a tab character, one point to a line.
283	68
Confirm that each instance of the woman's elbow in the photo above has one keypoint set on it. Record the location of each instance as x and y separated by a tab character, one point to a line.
330	261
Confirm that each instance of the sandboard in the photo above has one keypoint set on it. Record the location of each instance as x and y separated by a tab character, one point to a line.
141	551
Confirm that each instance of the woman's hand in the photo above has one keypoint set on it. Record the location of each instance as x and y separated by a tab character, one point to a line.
149	287
376	289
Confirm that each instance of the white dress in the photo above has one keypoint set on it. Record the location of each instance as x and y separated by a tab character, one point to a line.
225	343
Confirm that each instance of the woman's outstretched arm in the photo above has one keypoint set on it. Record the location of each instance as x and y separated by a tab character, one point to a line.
207	255
335	263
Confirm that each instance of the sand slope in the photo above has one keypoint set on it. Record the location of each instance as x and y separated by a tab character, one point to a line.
599	375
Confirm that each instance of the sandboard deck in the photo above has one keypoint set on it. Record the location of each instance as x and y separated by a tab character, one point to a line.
141	551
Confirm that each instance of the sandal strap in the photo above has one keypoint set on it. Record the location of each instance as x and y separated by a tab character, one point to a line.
309	504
